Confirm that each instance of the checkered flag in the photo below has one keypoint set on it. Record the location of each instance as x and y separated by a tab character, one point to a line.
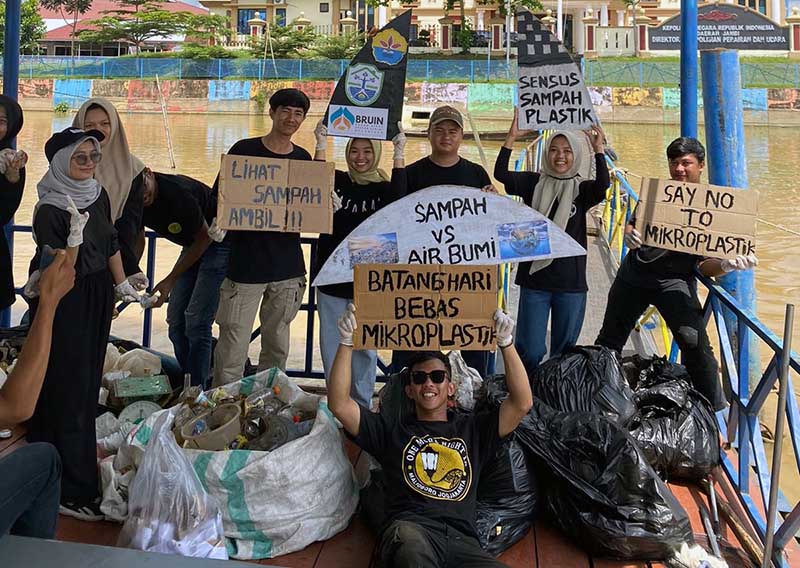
536	45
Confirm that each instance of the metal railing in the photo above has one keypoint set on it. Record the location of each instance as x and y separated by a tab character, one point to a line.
740	425
596	72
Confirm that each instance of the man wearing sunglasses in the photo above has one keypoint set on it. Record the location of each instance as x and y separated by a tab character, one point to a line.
432	459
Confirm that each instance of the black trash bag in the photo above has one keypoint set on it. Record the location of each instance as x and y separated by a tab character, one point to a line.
585	379
392	399
601	492
507	499
675	427
372	501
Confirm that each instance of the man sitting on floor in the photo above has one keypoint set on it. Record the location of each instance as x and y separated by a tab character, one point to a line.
30	477
432	459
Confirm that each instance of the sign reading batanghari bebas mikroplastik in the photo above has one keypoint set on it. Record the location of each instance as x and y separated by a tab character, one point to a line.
723	26
701	219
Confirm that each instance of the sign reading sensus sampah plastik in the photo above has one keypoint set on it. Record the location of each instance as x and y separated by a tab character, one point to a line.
265	194
707	220
723	26
413	307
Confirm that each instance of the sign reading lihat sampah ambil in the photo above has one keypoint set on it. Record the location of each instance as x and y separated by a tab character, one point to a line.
552	95
266	194
413	307
723	26
706	220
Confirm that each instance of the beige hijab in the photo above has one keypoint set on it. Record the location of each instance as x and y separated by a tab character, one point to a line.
564	187
119	167
374	174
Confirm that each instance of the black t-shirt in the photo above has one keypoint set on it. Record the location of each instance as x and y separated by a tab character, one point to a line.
180	208
432	468
258	257
129	225
51	226
424	173
563	274
358	203
652	267
10	198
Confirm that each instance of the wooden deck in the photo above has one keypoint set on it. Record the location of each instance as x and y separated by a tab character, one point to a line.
543	546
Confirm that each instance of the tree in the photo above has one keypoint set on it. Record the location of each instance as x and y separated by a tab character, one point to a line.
137	21
32	27
286	41
338	47
73	8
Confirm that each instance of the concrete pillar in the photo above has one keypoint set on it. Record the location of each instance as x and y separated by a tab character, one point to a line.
481	24
549	22
383	18
349	23
775	10
604	15
578	33
446	33
559	19
620	18
794	33
589	35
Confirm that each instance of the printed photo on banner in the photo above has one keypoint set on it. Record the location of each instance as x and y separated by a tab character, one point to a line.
552	94
368	100
706	220
376	249
523	240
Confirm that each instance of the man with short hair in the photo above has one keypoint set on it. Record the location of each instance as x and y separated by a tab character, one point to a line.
265	267
665	279
30	477
180	209
432	459
444	166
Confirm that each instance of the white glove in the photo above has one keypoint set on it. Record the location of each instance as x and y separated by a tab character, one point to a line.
399	142
215	233
77	222
31	289
504	327
125	292
741	262
139	281
633	240
321	135
336	200
6	157
347	325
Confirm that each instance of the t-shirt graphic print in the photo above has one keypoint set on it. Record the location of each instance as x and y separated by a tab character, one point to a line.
438	468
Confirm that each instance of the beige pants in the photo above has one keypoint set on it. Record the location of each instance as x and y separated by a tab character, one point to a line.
238	303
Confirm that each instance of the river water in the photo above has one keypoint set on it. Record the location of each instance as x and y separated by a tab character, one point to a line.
772	153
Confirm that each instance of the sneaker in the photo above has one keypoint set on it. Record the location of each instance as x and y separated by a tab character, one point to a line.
83	512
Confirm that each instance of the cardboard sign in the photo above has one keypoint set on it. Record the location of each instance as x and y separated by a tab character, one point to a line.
552	95
265	194
449	224
368	99
707	220
410	307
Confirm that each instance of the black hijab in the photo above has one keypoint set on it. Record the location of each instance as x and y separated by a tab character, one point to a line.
14	117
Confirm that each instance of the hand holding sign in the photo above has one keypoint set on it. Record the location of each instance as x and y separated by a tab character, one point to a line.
514	132
347	325
504	328
597	139
741	262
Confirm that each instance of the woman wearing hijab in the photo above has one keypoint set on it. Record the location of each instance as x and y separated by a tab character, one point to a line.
74	213
121	174
554	288
12	182
360	191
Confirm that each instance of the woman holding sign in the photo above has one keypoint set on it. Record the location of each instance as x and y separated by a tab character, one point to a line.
554	286
362	190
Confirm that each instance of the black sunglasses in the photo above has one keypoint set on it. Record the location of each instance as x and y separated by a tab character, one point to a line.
437	377
83	159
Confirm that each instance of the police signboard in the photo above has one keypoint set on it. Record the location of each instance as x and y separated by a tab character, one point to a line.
726	26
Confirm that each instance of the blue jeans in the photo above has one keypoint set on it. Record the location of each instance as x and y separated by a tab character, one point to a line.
535	306
364	365
192	305
30	486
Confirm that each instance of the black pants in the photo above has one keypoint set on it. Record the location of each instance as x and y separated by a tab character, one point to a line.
415	542
29	489
681	310
478	360
67	406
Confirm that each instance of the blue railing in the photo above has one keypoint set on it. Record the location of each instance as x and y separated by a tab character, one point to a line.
740	425
596	72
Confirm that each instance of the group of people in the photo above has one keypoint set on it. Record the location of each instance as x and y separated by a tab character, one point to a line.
97	198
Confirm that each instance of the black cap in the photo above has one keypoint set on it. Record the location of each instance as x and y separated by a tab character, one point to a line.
68	137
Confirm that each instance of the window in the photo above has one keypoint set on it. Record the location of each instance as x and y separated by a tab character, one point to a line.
324	7
241	20
757	5
280	16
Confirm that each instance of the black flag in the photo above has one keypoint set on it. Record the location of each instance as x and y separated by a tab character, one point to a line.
368	99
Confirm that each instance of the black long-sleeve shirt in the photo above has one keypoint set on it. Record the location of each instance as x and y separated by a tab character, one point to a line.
129	225
10	198
563	274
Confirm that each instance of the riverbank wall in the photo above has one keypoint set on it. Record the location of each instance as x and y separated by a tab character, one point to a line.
762	106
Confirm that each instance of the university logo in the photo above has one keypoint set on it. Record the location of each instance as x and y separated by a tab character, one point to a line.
363	84
438	468
342	119
389	47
